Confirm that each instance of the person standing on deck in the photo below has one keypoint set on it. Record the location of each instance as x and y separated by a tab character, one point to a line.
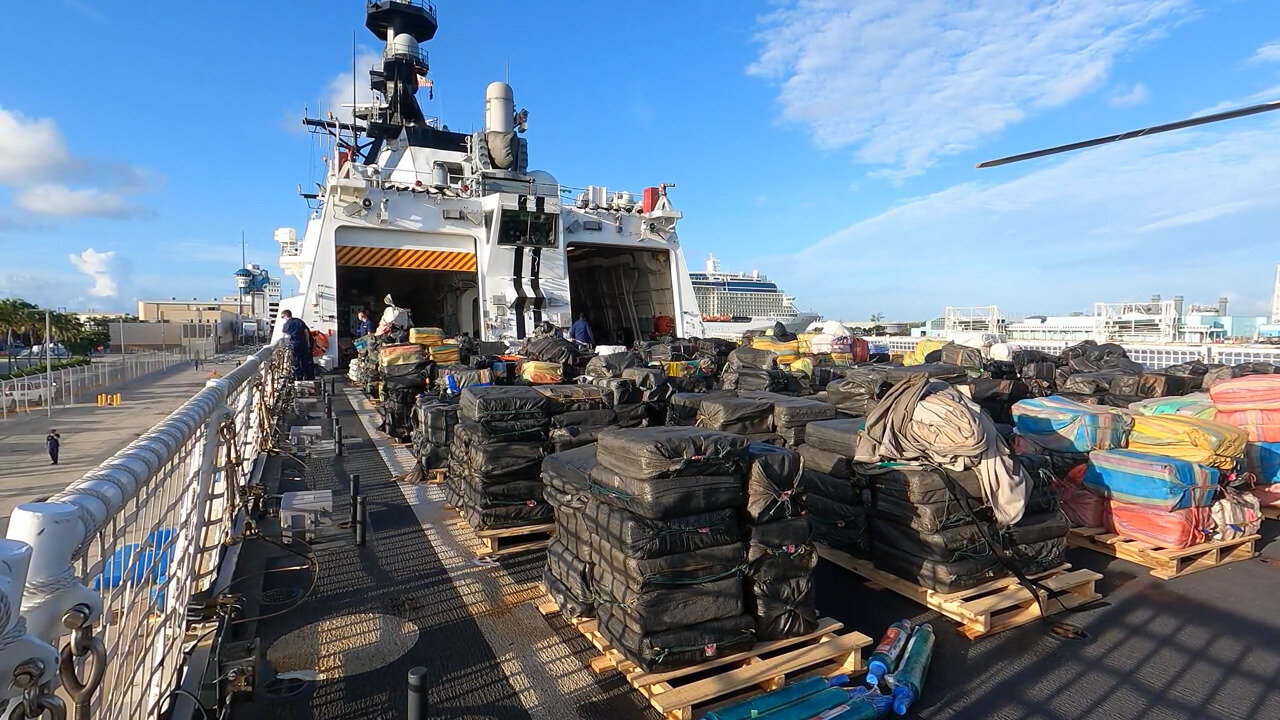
581	331
365	326
53	443
299	337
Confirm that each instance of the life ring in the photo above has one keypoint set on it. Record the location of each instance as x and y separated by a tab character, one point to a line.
319	343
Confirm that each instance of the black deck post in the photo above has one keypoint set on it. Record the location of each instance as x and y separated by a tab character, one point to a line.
362	517
417	709
337	437
355	493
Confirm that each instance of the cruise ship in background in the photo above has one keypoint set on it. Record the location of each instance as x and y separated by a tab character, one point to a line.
733	303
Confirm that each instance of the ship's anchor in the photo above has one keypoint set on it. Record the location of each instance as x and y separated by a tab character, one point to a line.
83	643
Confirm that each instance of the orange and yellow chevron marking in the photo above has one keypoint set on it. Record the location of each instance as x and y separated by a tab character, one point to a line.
451	260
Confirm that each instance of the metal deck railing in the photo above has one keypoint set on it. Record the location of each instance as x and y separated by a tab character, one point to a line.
104	570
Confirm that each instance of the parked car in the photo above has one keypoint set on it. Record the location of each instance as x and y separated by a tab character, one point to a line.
36	352
22	393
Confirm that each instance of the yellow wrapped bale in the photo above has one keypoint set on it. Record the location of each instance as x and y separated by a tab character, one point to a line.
1197	440
431	337
775	346
446	354
925	346
806	342
804	365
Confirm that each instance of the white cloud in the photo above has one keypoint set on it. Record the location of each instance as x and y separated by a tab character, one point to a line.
338	93
1183	213
62	201
35	161
109	271
1137	95
908	82
30	148
1267	53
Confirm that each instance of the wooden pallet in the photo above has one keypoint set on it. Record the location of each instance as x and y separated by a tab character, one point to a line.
436	476
508	541
989	608
694	691
1165	563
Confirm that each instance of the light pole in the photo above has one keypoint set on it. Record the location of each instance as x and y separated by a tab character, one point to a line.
48	369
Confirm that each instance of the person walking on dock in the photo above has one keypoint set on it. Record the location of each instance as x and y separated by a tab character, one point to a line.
53	443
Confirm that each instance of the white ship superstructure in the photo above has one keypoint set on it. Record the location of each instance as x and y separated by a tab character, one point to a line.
733	303
461	232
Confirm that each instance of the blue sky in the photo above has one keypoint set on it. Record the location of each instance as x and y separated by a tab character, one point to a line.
828	143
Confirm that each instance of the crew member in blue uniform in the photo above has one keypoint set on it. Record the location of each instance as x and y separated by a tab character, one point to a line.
581	331
365	326
299	337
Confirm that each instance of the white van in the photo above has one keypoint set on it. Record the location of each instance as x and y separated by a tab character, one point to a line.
20	393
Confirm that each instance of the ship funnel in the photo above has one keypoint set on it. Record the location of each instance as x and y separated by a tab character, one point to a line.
499	108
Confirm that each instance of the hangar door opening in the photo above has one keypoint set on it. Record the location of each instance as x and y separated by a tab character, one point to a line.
623	291
438	287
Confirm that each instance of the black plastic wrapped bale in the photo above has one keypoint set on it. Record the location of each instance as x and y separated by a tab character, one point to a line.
1253	368
679	648
1102	381
1190	374
504	462
611	366
742	416
1216	374
642	538
715	347
945	372
672	591
570	605
929	517
781	550
510	403
672	352
949	545
604	418
1162	384
834	436
550	349
773	477
919	483
828	463
783	608
754	379
573	398
563	439
410	376
492	432
633	415
841	526
944	577
439	419
671	452
815	482
661	498
573	573
955	354
997	397
570	471
682	408
500	515
652	382
487	494
750	358
789	412
620	391
1041	557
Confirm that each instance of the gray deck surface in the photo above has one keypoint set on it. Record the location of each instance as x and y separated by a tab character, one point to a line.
1203	646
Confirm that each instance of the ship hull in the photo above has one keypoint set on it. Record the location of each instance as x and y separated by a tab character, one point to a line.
734	330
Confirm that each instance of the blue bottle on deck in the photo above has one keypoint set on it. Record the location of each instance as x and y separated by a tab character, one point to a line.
885	657
908	680
762	704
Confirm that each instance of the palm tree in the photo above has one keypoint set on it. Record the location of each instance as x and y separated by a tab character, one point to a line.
67	328
16	316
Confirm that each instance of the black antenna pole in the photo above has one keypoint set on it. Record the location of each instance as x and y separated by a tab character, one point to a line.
1203	120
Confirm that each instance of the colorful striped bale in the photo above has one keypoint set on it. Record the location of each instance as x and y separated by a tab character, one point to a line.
1159	482
1193	439
1062	425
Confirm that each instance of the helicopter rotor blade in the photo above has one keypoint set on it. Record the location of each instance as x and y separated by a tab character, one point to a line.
1203	120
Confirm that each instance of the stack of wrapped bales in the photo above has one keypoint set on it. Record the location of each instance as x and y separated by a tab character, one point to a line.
655	390
364	370
751	369
405	372
1164	501
832	500
578	413
433	426
566	478
667	553
780	555
746	416
497	452
1252	403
